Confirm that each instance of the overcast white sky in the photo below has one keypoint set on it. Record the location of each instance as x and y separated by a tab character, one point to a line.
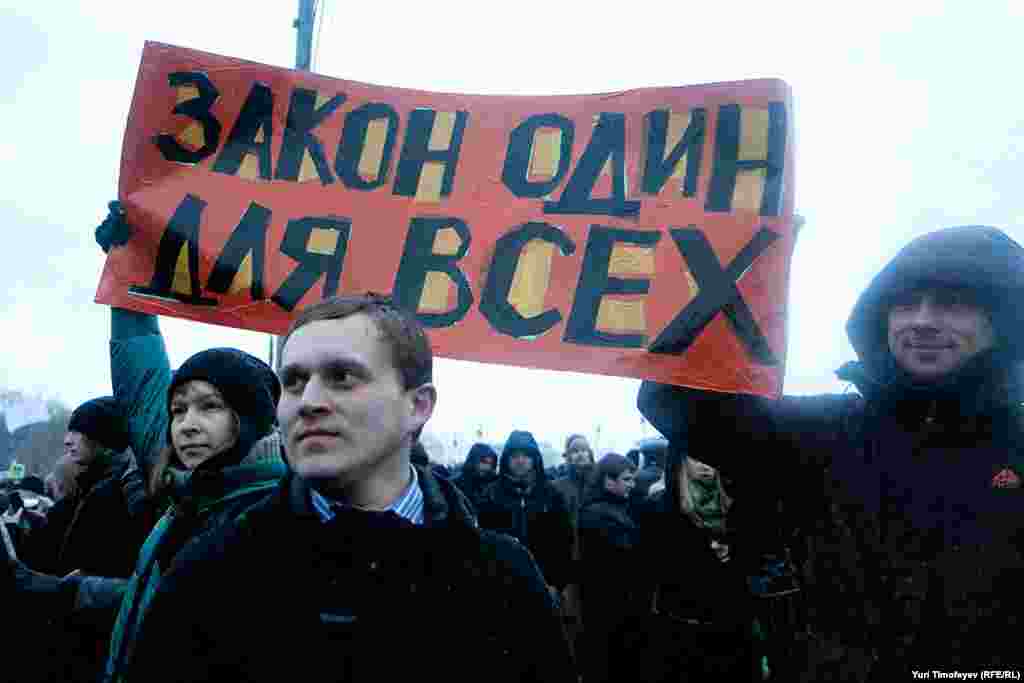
908	118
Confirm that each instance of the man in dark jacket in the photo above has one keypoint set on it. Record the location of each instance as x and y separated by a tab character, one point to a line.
360	566
91	533
524	504
910	492
92	530
479	470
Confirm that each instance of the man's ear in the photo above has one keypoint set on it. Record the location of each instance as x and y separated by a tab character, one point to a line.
424	398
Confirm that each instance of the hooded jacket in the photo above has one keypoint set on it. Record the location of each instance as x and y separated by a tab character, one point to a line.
469	480
366	596
908	495
532	511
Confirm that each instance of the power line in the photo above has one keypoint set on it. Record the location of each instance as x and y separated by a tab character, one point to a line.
320	9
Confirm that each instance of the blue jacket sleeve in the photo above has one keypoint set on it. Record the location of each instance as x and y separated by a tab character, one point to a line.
141	374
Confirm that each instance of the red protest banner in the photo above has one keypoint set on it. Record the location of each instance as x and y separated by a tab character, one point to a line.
644	233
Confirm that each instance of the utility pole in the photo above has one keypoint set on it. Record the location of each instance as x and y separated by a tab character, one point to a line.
304	37
303	26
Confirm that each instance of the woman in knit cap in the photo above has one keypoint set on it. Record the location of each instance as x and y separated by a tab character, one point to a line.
204	437
216	453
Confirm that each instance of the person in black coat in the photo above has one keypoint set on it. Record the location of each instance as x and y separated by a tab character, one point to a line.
479	470
360	566
908	494
694	559
608	540
91	532
525	505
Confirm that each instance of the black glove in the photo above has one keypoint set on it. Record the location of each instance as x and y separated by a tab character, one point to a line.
114	230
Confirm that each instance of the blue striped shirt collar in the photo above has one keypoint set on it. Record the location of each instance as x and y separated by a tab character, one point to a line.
409	505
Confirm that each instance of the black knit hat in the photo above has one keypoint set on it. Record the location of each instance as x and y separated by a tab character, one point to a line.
248	385
101	421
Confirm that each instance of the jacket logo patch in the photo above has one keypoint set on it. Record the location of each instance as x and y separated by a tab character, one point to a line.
328	618
1006	479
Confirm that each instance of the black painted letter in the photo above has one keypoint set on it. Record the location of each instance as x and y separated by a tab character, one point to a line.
520	147
181	231
595	283
312	264
728	164
419	258
658	168
257	114
198	109
353	142
303	117
717	292
607	142
416	152
494	303
248	238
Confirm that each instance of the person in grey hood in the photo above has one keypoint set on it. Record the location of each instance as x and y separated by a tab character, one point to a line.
909	494
523	504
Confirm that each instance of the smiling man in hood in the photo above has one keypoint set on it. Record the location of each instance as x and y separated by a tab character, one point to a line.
910	491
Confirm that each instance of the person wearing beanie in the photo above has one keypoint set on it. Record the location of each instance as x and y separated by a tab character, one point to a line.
908	495
362	563
479	470
88	533
525	505
220	453
205	447
77	535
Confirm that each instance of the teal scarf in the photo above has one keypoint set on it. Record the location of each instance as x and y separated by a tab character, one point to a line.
240	487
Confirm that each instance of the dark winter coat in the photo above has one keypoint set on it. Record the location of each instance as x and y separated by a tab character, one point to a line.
204	501
469	480
282	595
913	550
608	586
537	515
698	613
573	486
91	531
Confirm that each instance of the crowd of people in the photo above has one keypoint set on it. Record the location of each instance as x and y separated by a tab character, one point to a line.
228	522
